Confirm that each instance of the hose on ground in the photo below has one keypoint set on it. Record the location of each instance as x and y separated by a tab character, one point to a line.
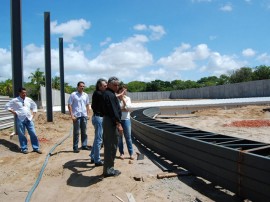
29	195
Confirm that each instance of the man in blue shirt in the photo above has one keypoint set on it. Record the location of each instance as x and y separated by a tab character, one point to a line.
78	106
22	107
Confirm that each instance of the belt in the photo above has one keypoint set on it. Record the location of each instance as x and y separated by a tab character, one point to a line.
98	114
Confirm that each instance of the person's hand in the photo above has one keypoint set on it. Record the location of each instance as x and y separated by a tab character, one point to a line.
73	118
13	112
120	129
34	115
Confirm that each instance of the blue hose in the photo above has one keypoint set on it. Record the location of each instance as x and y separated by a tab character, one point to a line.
29	195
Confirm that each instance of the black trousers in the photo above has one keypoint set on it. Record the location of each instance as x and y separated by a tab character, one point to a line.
110	143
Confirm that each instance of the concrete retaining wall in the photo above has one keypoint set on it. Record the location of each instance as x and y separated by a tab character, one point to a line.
259	88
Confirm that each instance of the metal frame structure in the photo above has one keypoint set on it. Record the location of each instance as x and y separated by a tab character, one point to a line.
239	165
6	118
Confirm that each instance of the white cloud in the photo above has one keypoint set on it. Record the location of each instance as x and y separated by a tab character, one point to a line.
140	27
156	31
264	58
5	64
199	58
106	41
249	52
226	8
71	29
220	64
183	58
127	54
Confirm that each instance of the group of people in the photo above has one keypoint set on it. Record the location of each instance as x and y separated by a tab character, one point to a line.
111	121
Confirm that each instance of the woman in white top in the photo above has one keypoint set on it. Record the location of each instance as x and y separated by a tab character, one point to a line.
125	104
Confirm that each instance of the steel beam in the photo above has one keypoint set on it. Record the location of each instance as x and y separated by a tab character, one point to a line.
62	80
48	77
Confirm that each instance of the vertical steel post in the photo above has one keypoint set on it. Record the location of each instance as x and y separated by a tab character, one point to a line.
61	66
16	45
16	48
48	77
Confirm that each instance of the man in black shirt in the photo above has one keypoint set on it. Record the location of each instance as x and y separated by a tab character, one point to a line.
97	119
111	126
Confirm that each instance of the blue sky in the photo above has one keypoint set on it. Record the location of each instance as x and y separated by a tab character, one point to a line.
140	40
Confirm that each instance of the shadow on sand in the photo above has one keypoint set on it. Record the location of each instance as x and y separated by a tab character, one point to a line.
77	178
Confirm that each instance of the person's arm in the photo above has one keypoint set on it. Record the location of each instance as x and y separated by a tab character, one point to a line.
70	108
87	106
88	111
9	107
126	104
33	106
119	128
71	113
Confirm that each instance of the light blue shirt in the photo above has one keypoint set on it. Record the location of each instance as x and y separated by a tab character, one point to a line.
78	102
22	107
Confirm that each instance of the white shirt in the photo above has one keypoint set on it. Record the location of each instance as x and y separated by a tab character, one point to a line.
22	107
125	114
78	102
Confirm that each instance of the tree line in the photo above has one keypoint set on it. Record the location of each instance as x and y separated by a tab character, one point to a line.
242	74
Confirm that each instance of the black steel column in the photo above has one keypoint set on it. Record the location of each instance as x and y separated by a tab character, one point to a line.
61	66
48	77
16	45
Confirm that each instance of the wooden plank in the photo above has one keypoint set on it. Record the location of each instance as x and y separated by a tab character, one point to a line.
130	197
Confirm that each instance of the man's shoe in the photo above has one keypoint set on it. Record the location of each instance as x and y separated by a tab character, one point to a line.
25	152
86	148
76	151
101	163
38	151
92	161
113	174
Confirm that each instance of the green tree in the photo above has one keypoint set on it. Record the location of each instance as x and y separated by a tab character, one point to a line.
90	89
261	72
243	74
136	86
32	90
37	78
191	84
56	82
208	81
68	88
159	85
223	79
6	88
178	85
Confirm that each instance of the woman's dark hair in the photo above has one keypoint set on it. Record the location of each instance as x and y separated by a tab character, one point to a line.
121	87
99	83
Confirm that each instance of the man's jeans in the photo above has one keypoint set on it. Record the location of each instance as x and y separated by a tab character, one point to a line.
79	124
95	152
126	124
29	125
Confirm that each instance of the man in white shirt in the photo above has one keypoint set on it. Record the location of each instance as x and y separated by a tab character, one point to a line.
78	106
22	107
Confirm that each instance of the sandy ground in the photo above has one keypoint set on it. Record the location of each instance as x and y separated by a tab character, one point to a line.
69	176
